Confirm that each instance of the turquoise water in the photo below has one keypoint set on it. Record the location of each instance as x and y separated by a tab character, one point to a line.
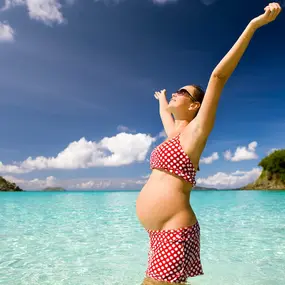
85	238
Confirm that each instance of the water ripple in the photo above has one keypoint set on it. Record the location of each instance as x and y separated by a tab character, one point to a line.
95	238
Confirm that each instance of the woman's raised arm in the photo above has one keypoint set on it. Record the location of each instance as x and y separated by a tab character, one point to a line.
207	113
165	115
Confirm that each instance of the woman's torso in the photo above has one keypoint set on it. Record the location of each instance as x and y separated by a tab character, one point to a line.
163	202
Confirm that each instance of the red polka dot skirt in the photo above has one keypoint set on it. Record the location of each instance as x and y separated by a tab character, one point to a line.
174	255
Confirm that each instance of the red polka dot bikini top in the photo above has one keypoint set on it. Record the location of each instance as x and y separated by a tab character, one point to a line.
171	157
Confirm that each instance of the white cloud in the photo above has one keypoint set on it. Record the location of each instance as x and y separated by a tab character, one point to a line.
123	185
140	182
93	185
227	155
51	181
122	149
6	33
162	134
272	150
252	146
143	180
48	182
47	11
242	153
210	159
102	184
12	3
77	184
146	176
34	184
11	169
222	180
122	128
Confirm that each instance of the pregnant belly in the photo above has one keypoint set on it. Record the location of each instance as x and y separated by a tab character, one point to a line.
164	203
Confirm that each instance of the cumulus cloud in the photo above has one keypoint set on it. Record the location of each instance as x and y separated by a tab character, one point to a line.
272	150
140	182
210	159
47	11
6	33
93	184
222	180
34	184
105	184
162	134
51	181
146	176
122	128
78	183
122	149
242	153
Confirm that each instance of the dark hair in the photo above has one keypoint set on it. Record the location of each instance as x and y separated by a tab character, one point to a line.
199	94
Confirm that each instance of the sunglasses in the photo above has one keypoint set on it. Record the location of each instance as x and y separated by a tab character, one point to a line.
185	92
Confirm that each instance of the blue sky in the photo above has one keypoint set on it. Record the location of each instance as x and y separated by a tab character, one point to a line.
78	78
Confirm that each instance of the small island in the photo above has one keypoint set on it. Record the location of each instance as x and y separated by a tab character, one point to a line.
273	173
54	189
8	186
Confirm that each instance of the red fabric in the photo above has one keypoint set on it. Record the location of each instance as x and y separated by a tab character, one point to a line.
171	157
174	254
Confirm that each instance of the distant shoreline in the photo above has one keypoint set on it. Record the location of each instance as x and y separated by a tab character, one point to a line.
92	191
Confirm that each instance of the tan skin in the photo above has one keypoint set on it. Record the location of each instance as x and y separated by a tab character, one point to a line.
168	206
164	201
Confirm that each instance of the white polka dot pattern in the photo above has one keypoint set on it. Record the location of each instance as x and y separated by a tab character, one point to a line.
174	254
171	157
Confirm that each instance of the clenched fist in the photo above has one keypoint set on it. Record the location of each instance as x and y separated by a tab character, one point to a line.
270	14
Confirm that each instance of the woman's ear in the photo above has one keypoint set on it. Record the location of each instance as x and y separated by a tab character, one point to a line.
196	104
199	104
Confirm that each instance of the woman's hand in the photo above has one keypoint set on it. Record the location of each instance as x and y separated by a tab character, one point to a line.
160	94
270	14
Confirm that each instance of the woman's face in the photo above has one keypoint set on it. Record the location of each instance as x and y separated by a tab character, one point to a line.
182	97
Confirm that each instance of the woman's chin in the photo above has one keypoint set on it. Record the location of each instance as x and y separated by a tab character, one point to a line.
171	107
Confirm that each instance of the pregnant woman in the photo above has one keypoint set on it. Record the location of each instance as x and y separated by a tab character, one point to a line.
163	205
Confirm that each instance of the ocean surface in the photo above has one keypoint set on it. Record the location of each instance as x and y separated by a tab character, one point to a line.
90	238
